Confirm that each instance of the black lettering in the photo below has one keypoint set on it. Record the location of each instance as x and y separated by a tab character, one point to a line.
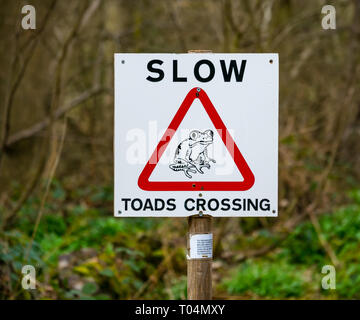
176	78
227	73
211	69
225	204
265	207
201	204
252	204
171	205
133	204
236	204
148	205
161	202
126	200
185	204
216	204
155	70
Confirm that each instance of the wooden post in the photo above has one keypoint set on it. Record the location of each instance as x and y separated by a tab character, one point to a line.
199	280
199	270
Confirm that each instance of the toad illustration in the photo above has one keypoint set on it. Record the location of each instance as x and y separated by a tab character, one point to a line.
191	154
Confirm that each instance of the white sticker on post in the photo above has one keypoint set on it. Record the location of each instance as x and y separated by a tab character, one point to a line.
201	246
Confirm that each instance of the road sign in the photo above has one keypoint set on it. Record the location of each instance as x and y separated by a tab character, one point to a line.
196	134
187	166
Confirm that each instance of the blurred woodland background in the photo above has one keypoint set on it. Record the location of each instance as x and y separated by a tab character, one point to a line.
56	156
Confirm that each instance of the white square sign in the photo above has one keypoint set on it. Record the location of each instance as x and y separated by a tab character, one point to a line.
196	134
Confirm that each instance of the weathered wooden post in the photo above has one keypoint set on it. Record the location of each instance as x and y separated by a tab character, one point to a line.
200	249
199	281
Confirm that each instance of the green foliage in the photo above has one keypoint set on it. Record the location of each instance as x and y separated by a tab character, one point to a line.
348	281
178	289
266	279
341	229
294	270
103	257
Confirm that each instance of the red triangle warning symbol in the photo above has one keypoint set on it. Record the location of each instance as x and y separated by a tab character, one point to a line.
234	151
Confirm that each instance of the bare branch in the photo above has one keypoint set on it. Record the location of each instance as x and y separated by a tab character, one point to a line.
36	128
14	87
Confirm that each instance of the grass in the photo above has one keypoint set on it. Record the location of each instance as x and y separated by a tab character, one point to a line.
294	270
